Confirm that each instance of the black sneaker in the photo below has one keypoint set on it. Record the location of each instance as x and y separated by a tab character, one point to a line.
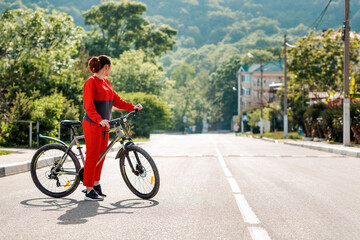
93	196
97	188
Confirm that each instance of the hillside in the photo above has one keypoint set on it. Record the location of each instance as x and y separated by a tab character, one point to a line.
210	31
213	21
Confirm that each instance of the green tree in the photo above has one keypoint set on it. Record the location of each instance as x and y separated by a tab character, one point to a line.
37	52
118	26
317	62
254	117
316	65
180	95
131	73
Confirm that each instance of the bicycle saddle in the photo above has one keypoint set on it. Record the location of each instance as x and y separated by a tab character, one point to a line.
70	123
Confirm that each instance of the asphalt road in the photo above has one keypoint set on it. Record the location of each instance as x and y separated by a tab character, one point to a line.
213	186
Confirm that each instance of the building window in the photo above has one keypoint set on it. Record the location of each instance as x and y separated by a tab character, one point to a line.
246	78
246	91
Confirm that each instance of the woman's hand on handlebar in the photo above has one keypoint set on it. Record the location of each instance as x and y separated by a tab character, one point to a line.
138	107
105	123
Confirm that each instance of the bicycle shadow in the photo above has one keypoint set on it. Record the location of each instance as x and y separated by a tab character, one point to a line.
78	212
51	204
88	209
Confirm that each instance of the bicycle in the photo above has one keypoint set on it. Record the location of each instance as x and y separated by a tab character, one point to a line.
57	171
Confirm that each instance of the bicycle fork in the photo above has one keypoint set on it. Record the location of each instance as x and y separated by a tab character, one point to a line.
139	170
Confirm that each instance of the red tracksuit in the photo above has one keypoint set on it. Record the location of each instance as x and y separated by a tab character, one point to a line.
99	97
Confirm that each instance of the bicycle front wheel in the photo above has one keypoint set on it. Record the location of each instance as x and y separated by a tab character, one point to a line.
55	183
139	172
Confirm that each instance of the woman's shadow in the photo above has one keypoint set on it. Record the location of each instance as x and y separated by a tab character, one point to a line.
78	212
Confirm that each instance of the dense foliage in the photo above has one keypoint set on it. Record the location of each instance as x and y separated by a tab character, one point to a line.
48	111
36	54
317	61
210	21
132	73
154	115
119	26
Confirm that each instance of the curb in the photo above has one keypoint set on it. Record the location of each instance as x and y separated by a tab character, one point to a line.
270	140
345	152
15	168
21	167
264	139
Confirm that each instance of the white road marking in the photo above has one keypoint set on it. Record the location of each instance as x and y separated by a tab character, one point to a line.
220	157
234	186
257	233
246	156
227	172
246	211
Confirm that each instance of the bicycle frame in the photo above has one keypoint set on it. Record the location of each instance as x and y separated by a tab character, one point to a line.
120	137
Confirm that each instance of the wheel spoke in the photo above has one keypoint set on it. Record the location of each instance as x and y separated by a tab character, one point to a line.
45	161
140	184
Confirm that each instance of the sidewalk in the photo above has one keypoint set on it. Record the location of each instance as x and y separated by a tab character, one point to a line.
324	146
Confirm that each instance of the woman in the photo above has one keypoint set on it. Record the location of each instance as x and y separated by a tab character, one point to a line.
99	97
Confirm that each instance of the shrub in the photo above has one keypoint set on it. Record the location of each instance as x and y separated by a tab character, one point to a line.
154	115
331	123
355	120
50	110
17	133
312	120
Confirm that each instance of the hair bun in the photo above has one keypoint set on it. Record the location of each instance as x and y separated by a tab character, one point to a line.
97	63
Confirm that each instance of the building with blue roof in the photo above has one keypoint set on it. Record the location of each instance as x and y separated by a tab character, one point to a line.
249	81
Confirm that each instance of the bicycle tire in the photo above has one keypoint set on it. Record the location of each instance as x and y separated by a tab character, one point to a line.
145	185
54	185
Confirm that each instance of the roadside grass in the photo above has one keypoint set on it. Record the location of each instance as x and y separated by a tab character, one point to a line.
141	139
276	135
4	152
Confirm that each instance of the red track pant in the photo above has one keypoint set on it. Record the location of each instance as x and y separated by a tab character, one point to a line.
96	142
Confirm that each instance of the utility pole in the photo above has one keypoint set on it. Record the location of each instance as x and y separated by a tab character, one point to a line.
261	102
239	103
285	92
346	104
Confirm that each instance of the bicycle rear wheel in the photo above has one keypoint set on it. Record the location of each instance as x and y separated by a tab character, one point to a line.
144	181
55	183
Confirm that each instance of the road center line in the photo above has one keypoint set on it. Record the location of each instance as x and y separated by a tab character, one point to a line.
234	186
220	157
245	209
257	233
227	172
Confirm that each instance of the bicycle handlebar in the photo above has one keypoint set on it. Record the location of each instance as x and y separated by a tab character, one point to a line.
123	118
